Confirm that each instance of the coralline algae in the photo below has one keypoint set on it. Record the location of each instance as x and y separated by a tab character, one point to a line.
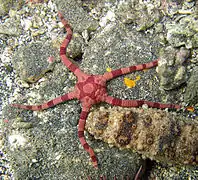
157	134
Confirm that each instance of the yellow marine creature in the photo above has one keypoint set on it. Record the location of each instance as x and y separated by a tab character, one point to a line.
131	83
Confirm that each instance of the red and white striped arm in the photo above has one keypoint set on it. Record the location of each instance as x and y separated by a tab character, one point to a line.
81	128
48	104
126	70
138	103
71	66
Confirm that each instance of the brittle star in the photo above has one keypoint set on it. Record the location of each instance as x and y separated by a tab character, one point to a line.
91	89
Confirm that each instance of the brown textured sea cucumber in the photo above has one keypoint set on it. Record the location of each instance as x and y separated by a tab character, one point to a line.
156	134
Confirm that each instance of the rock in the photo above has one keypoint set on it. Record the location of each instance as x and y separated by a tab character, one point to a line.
176	172
6	5
191	94
144	14
77	17
171	69
11	27
31	62
183	32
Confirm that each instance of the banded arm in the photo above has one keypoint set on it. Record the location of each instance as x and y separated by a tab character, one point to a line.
122	71
138	103
81	128
48	104
71	66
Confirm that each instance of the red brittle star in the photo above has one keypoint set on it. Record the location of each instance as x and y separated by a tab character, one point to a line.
91	89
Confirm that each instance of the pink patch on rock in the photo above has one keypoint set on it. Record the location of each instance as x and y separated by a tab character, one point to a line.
50	59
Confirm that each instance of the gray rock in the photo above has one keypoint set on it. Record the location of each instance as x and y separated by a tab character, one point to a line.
11	27
76	15
167	172
143	14
6	5
31	62
191	94
171	69
183	32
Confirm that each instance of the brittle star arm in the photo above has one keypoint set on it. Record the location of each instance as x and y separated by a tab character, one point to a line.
126	70
134	103
81	127
137	103
71	66
48	104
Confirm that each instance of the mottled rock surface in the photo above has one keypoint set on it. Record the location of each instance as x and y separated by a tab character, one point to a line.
191	95
6	5
29	67
142	13
184	32
172	67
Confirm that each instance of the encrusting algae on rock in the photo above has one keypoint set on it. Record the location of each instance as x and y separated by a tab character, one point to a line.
154	133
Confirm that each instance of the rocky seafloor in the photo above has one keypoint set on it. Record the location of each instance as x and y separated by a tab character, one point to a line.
107	33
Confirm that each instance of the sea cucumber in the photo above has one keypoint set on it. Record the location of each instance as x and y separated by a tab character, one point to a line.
156	134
